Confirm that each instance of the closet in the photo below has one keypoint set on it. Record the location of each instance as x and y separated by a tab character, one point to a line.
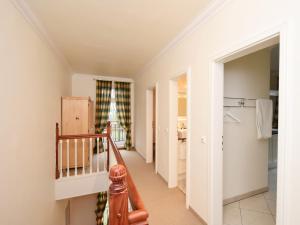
77	118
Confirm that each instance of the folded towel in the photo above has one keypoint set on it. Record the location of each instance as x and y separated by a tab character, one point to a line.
264	118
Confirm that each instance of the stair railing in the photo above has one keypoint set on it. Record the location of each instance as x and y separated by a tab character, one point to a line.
123	186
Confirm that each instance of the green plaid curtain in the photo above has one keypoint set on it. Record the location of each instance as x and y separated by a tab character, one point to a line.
122	91
103	99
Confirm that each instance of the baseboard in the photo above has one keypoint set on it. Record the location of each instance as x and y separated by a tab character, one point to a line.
140	154
163	179
203	222
246	195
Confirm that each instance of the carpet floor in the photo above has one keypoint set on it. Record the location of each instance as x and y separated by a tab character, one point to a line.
165	206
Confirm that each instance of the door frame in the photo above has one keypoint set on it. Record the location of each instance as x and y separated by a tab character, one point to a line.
172	182
149	125
149	128
215	184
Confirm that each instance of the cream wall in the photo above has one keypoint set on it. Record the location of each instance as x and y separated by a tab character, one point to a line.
233	23
246	77
32	81
84	85
82	210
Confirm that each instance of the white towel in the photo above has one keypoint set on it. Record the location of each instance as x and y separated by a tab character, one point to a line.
264	118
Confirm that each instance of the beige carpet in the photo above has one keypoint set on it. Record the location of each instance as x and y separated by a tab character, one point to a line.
165	206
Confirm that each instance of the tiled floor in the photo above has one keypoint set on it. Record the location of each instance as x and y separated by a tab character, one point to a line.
257	210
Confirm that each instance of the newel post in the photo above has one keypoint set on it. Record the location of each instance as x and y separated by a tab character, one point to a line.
56	151
108	131
118	196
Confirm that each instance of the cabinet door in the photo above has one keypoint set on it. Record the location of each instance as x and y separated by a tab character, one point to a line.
80	157
91	118
74	117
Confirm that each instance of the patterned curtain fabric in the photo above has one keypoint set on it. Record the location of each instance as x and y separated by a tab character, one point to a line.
122	91
103	99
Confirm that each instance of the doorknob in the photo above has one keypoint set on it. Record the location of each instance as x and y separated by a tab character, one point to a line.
77	118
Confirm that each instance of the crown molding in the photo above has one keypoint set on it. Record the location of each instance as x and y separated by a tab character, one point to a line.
25	10
212	9
104	77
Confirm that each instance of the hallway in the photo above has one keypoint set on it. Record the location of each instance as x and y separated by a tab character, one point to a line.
165	206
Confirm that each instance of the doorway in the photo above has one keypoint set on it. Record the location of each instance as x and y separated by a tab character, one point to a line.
264	40
151	125
250	126
179	132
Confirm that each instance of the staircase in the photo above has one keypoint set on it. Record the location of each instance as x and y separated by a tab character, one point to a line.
98	162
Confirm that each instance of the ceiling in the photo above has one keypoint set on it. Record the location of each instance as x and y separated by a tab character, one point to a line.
113	37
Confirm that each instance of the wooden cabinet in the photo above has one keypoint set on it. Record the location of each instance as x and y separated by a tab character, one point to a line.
77	118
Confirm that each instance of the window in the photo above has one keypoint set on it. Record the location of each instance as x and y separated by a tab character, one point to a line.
118	133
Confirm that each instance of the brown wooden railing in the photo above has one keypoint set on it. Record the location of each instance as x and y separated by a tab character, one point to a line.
122	187
121	181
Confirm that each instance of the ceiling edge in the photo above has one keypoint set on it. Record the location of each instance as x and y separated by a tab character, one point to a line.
210	10
105	77
25	10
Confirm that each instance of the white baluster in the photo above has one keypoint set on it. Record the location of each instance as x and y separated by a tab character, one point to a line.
83	166
68	158
104	154
75	149
61	160
91	155
98	155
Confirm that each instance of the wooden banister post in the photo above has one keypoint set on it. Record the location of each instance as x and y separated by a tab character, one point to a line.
108	130
118	196
56	151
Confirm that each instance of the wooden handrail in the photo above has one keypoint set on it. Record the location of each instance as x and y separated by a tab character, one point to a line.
119	190
82	136
139	215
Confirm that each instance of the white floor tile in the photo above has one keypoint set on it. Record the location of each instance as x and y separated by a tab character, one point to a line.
272	206
232	216
257	210
256	218
256	203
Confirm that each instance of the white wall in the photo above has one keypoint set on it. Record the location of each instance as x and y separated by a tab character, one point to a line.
32	82
233	23
245	166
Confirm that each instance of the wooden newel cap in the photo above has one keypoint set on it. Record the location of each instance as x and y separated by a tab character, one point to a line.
117	175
